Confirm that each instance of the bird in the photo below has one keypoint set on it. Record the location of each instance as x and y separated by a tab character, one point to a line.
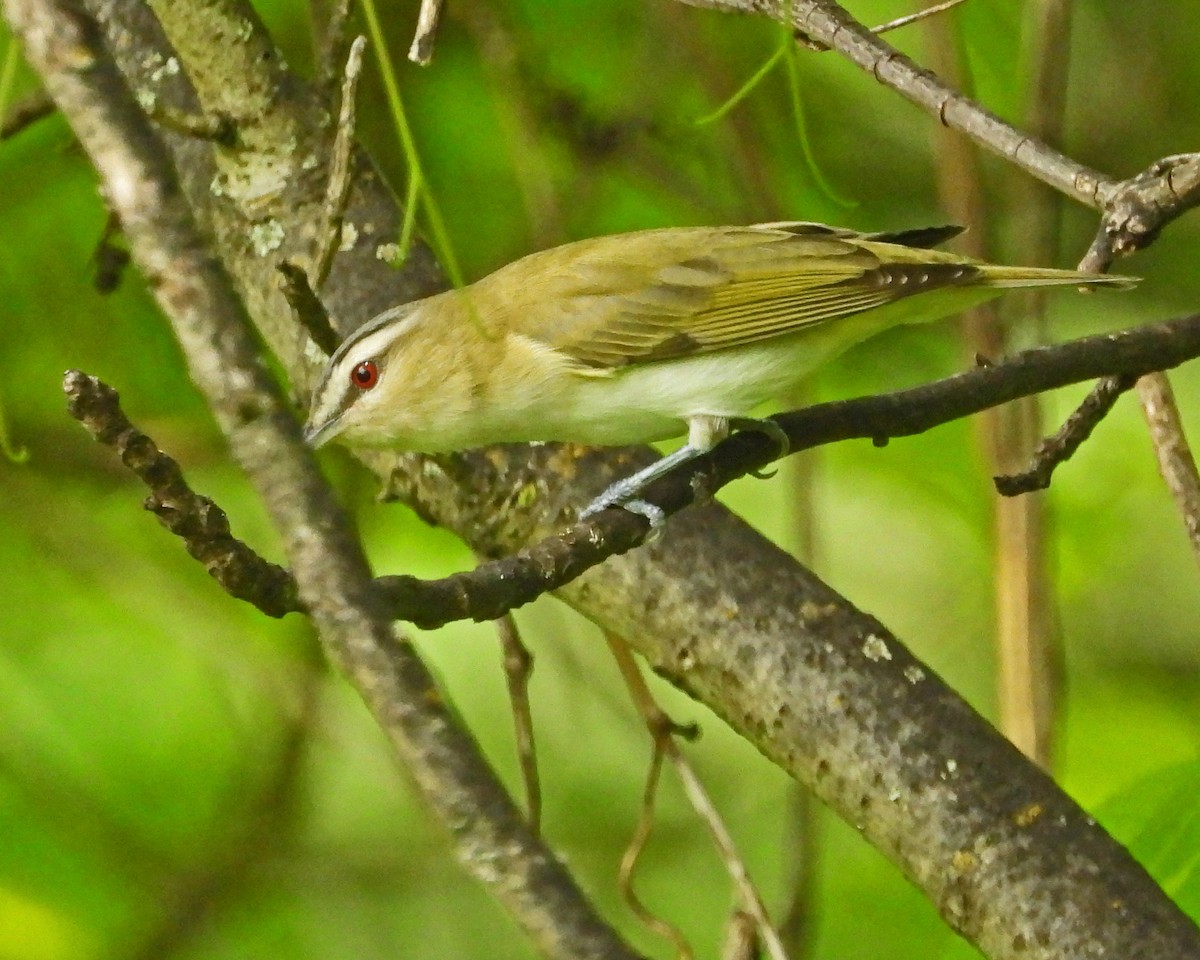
643	336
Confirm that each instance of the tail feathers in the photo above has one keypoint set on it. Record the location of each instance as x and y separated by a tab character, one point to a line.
1013	277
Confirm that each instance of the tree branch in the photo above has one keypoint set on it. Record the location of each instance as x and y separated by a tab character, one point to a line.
64	46
200	523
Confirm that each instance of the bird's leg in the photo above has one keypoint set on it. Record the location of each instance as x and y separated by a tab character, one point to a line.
773	431
624	493
705	431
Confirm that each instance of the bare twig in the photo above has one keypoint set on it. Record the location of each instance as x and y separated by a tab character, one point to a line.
741	937
633	853
109	258
1141	206
329	41
495	587
1028	638
1059	447
830	24
307	306
1175	460
421	50
918	16
518	666
800	842
337	189
492	588
1133	219
200	523
907	20
663	731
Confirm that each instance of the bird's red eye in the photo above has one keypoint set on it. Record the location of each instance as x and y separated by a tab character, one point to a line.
365	375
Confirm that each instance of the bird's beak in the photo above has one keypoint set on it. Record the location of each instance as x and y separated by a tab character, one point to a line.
317	434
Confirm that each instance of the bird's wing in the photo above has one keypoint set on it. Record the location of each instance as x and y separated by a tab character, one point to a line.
666	294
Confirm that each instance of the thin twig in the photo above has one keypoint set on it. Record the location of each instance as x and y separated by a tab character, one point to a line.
915	17
199	522
337	188
421	51
500	585
1132	221
830	24
518	667
1061	445
741	937
309	310
633	853
1175	460
1028	637
329	43
109	258
495	587
801	841
890	25
1144	204
663	730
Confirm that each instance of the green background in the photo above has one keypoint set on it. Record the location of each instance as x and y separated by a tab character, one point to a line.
181	777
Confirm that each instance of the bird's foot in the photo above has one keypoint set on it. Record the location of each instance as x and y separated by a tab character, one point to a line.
773	432
626	500
626	493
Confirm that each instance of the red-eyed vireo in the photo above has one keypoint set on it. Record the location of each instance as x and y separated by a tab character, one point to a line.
641	336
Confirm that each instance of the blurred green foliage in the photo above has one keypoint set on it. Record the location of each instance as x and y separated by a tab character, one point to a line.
180	777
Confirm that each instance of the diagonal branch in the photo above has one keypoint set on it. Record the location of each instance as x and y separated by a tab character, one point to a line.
64	46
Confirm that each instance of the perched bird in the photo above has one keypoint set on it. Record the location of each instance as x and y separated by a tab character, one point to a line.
641	336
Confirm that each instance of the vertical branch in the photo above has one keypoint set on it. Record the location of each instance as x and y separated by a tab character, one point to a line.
518	668
1028	641
802	838
1025	623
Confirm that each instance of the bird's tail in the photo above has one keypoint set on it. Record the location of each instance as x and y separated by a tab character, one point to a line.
1012	277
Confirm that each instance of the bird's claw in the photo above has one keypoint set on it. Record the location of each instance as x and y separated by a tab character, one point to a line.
773	431
656	515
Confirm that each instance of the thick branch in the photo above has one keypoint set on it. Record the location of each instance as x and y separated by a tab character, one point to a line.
331	573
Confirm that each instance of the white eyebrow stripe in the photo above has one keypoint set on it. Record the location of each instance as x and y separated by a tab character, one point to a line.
378	334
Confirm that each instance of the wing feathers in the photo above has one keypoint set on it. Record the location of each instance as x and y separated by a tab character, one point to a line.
608	303
668	321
